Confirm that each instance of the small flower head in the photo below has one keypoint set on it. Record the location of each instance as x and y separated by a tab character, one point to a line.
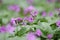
30	19
30	1
49	36
13	21
28	10
10	29
34	13
50	14
38	32
18	19
14	8
58	23
3	29
31	36
43	13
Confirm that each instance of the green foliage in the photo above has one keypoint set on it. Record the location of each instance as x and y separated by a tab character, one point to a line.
53	26
21	32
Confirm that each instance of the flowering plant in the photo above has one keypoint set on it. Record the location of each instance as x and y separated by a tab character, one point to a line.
29	20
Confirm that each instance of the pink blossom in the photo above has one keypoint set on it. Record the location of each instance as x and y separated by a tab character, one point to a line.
49	36
38	32
25	18
30	19
29	9
3	29
18	19
58	23
50	0
10	29
13	21
50	14
34	13
44	14
31	36
14	8
30	1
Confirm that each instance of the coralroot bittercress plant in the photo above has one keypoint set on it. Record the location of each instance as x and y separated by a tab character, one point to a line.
37	20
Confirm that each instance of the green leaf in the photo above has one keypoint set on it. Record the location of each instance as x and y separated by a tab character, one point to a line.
43	20
1	21
53	26
21	32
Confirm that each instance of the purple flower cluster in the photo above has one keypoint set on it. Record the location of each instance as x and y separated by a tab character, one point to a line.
50	14
32	36
13	20
28	9
30	1
9	28
14	8
49	36
38	32
2	29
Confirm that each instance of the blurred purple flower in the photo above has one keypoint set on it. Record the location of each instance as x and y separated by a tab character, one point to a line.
58	23
13	21
50	14
43	13
10	29
25	18
31	36
18	19
2	29
14	8
38	32
30	1
30	19
50	0
49	36
34	13
29	9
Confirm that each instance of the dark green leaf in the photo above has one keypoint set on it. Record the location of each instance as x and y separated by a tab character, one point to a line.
43	20
54	26
21	32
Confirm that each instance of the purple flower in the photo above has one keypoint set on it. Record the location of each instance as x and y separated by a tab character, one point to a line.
10	28
38	32
50	0
26	11
49	36
30	19
18	19
25	18
44	14
29	9
58	23
14	8
34	13
31	36
3	29
50	14
30	1
13	21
